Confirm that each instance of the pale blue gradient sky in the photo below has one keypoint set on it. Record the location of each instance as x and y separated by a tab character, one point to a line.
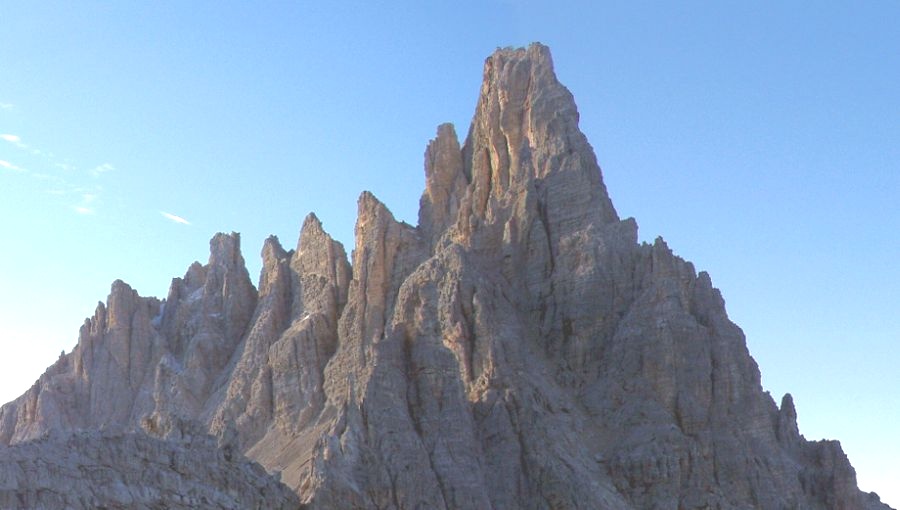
760	139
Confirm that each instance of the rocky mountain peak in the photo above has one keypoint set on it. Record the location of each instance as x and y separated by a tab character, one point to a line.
311	231
525	133
272	250
517	349
445	184
788	432
225	251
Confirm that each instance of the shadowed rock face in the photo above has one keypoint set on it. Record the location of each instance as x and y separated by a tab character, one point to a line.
90	470
517	349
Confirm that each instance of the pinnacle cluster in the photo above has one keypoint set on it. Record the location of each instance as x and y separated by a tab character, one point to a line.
518	348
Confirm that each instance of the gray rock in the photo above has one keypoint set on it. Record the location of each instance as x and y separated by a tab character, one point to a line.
517	349
90	470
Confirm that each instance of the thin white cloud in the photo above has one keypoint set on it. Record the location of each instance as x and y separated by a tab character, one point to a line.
175	218
61	185
9	166
88	198
6	106
13	139
102	169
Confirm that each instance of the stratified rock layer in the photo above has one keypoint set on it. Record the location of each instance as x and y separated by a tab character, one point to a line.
517	349
86	471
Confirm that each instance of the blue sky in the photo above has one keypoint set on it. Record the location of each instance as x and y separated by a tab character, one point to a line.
760	139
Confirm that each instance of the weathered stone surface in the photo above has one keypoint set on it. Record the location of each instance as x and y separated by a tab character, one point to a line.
91	470
445	184
205	318
103	381
517	349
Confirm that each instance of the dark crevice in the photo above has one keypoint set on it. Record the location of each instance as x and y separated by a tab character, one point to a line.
545	221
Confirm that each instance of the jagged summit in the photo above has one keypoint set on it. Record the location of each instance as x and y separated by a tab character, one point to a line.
517	349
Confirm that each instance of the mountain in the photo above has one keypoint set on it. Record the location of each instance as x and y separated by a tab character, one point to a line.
517	349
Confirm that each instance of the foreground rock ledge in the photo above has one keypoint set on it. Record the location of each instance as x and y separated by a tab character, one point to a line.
91	470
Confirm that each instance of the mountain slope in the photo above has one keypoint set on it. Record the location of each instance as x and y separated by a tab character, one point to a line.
517	349
90	470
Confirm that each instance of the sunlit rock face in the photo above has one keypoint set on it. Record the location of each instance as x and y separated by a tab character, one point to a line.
517	349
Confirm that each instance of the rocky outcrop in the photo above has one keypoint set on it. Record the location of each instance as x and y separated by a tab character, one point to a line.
138	356
445	185
517	349
91	470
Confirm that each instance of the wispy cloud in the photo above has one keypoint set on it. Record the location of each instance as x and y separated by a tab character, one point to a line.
49	157
175	218
70	184
6	106
13	139
97	171
17	141
9	166
88	199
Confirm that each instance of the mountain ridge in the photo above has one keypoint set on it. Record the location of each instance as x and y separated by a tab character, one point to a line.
578	368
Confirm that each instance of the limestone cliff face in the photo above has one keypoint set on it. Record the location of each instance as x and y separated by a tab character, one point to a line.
517	349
